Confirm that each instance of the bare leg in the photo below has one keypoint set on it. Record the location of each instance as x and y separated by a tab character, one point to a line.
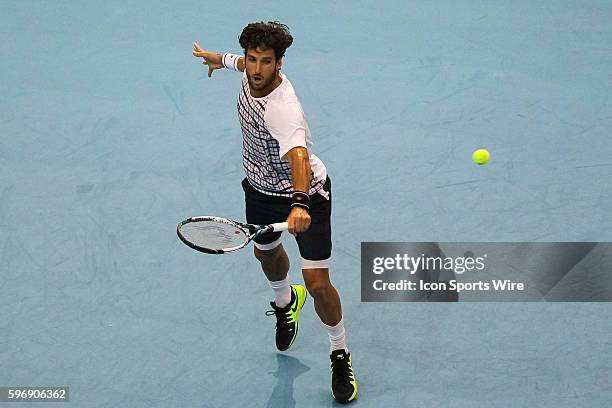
275	263
326	299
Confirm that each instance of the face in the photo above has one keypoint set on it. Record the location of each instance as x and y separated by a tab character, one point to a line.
262	70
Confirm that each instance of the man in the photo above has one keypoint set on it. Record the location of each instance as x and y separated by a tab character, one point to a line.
285	181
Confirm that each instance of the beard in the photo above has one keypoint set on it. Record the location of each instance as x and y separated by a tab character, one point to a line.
263	84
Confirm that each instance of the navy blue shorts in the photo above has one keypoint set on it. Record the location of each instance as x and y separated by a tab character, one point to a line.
314	244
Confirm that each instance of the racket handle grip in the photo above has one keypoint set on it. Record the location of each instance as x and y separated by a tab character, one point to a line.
279	226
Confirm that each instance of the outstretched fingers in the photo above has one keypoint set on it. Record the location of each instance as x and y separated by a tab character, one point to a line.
197	50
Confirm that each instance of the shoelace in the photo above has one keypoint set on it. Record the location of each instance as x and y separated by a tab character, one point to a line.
281	317
341	369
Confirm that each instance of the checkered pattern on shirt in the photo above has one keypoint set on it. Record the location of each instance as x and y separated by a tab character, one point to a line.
264	169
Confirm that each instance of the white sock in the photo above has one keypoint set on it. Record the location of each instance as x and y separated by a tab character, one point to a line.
282	292
337	336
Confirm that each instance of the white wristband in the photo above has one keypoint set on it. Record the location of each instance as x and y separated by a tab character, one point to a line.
230	61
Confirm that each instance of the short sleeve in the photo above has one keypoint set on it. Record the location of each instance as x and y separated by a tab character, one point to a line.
286	123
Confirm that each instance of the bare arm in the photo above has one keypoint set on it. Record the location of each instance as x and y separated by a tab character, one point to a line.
212	59
299	219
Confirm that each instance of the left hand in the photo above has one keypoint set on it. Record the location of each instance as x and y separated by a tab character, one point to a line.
213	60
298	220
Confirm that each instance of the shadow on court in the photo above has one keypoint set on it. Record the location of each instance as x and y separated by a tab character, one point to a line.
289	368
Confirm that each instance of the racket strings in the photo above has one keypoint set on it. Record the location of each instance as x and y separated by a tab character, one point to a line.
213	234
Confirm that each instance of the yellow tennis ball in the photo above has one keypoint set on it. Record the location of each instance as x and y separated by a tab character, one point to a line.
481	156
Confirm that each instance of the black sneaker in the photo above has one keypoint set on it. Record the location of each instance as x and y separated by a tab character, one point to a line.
344	384
287	317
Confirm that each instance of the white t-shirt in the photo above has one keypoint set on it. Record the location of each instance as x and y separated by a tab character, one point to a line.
271	126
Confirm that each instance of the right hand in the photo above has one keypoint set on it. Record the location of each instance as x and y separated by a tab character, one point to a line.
298	221
213	60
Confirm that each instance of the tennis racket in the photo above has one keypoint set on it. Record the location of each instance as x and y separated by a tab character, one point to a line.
216	235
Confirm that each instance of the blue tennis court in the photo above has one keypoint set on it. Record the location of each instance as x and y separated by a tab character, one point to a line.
111	133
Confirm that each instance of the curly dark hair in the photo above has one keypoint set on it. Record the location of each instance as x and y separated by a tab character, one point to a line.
266	35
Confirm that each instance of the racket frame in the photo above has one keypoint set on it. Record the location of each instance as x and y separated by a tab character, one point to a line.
251	232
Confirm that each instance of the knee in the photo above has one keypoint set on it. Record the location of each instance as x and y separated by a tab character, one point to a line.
268	256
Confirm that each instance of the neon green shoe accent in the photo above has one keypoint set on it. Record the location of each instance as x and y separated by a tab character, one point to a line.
294	308
298	303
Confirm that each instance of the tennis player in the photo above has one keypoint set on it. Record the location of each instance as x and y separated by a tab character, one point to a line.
285	181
